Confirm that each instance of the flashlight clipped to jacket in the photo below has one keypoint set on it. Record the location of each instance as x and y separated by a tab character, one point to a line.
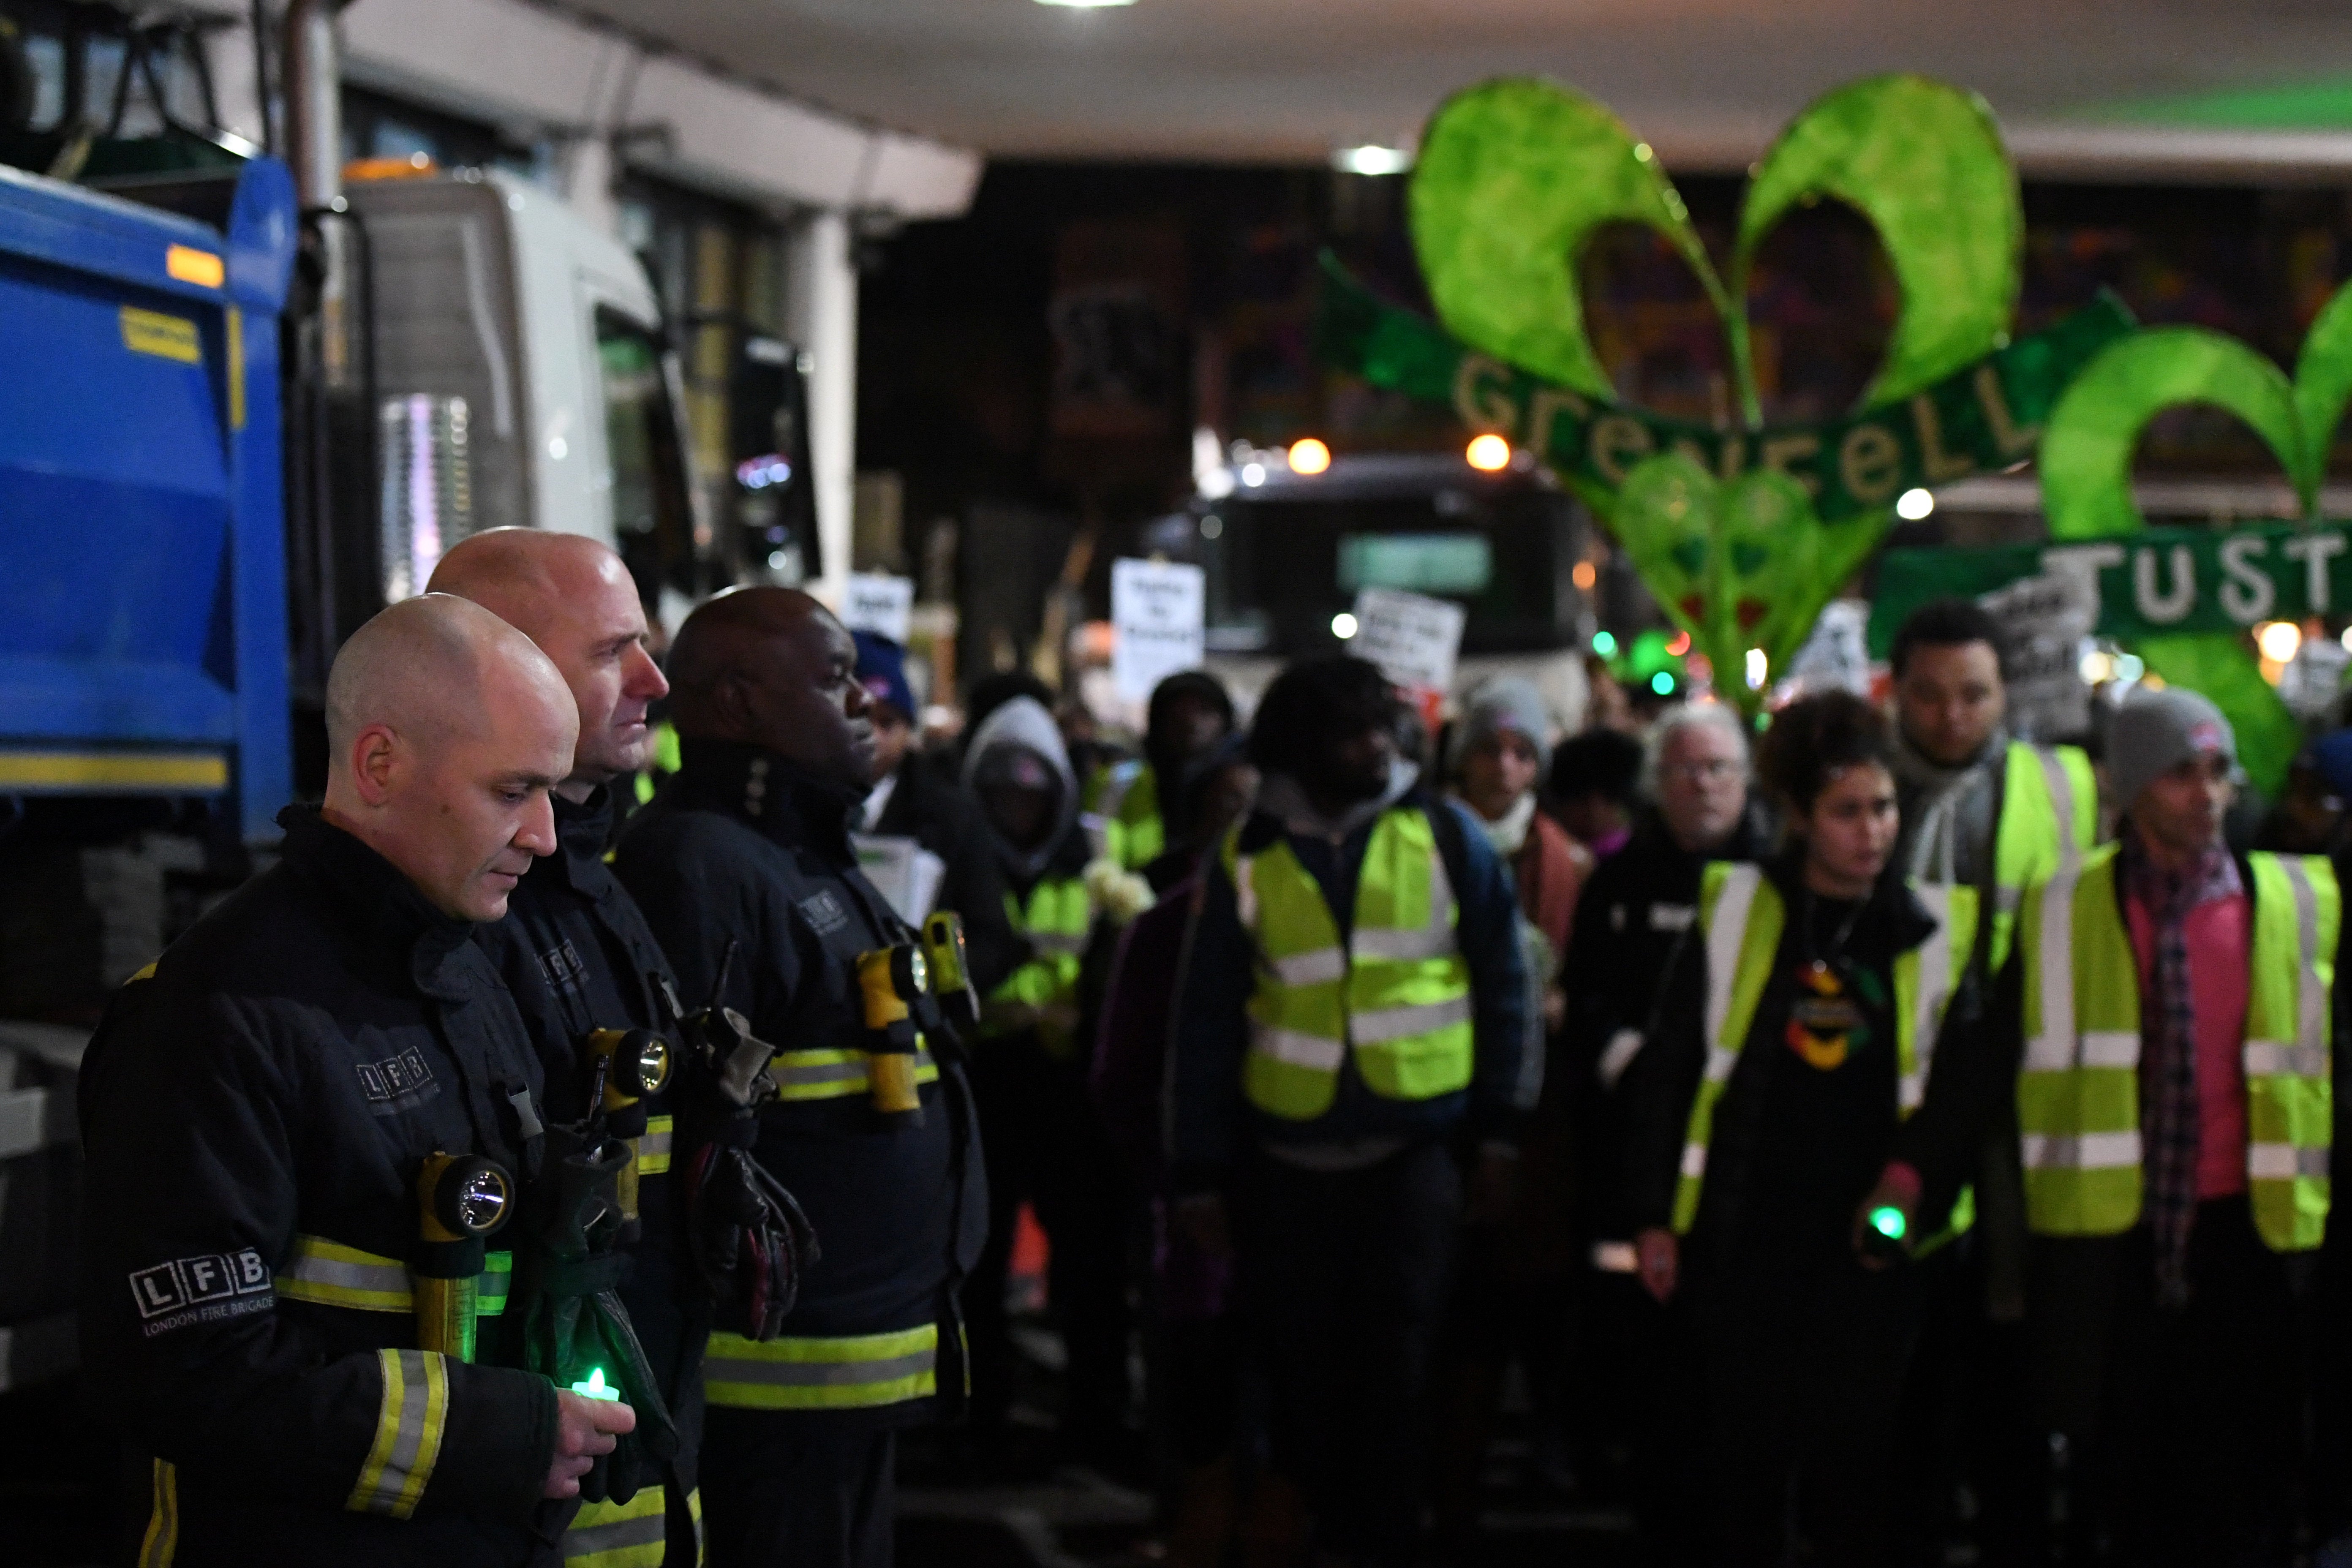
630	1066
461	1201
956	999
893	981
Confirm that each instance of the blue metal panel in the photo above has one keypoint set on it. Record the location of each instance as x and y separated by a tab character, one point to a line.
143	597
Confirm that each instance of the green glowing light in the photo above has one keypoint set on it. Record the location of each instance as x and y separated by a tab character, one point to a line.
1888	1221
1663	684
595	1387
1604	644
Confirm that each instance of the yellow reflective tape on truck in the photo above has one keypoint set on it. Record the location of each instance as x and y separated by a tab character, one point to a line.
165	337
146	772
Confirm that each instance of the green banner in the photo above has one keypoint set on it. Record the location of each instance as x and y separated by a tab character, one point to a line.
2157	581
1981	419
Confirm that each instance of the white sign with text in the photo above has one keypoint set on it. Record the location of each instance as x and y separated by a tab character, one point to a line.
1414	639
1157	612
883	606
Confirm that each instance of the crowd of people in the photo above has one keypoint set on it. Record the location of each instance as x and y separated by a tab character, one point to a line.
1869	1136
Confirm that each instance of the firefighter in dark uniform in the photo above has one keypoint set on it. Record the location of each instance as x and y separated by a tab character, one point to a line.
578	958
744	870
270	1320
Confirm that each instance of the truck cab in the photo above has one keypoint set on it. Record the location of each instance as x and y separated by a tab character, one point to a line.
1284	553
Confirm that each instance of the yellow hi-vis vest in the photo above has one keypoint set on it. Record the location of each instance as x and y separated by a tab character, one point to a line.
1124	812
2048	821
2078	1093
1397	993
1057	922
1741	915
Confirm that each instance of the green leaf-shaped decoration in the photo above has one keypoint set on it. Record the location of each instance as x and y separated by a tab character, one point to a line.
2086	458
1514	177
1923	163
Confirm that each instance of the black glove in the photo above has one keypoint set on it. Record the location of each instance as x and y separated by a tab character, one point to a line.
568	1276
749	1236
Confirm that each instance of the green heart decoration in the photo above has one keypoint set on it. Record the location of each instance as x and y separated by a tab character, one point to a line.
1515	176
2085	466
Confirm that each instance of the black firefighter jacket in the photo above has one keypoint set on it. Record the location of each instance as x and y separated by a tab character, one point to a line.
256	1108
578	957
740	852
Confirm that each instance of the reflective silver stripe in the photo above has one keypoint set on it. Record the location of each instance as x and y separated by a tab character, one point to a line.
641	1526
1245	890
1397	1023
2079	1151
783	1373
2275	1058
1321	966
1725	934
1297	1048
1694	1159
387	1278
1058	941
1935	989
2061	804
2310	995
1719	1063
2284	1162
655	1143
2009	900
1623	1047
2097	1048
1403	946
409	1422
2052	1046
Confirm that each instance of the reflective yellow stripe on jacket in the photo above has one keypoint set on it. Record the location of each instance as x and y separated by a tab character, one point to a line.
835	1075
846	1372
410	1419
1123	814
618	1534
329	1274
1055	923
1741	915
654	1145
2078	1092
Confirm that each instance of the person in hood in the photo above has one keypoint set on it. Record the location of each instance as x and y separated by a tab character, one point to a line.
1353	1026
1138	808
1801	1122
1046	1146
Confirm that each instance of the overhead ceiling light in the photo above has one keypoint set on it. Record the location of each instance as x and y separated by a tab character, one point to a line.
1086	4
1372	160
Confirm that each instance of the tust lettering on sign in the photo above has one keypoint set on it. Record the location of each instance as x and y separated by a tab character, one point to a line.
1414	639
880	604
1158	609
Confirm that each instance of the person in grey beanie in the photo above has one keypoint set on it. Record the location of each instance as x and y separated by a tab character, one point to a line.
2166	1020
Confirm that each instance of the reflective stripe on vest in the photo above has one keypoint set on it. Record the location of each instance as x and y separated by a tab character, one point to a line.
1125	815
2042	787
654	1145
835	1075
1059	917
618	1534
2078	1092
411	1416
844	1372
1742	917
1398	995
328	1274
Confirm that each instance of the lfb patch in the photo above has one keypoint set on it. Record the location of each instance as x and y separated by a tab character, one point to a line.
209	1285
824	911
397	1082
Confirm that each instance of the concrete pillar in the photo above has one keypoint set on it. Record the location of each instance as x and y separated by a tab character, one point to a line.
823	321
588	181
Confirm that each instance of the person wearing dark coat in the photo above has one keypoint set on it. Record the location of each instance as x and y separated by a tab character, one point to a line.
744	868
258	1111
577	957
1799	1121
919	806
